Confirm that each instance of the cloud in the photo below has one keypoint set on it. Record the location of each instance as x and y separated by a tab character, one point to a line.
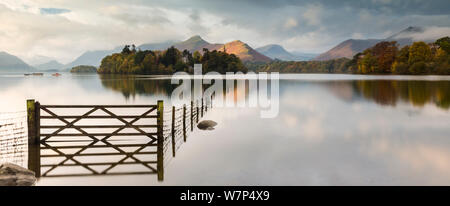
429	33
307	26
53	11
313	14
290	23
67	35
313	42
357	35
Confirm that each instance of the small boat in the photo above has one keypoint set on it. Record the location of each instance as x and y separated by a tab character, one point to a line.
56	74
27	74
38	74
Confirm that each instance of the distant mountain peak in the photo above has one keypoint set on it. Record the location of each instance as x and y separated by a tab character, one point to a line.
350	47
347	49
243	51
237	42
276	51
195	38
272	48
411	30
9	62
194	43
51	65
414	29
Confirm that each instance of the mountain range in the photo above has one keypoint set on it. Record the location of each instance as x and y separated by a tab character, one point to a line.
195	43
11	63
157	46
93	58
238	48
350	47
276	51
265	54
52	65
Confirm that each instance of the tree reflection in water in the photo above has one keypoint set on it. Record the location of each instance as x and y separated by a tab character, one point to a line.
417	93
130	86
383	92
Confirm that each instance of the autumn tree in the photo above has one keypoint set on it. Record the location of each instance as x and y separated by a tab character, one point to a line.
444	44
385	53
419	52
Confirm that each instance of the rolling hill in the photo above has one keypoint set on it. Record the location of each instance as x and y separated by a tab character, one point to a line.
244	52
405	37
195	43
157	46
92	58
238	48
347	49
276	51
11	63
51	65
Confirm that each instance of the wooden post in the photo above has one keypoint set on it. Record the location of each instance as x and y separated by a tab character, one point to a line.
192	116
33	121
37	107
173	131
206	105
184	123
211	101
202	107
196	104
160	146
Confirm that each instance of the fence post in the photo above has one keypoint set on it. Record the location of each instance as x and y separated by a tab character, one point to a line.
33	122
160	146
173	131
202	107
184	122
196	116
192	115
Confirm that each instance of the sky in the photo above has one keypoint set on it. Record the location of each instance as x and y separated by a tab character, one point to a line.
64	29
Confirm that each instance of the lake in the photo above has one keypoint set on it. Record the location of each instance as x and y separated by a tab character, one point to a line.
331	130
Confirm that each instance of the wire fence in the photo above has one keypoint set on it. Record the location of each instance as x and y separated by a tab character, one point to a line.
177	129
14	137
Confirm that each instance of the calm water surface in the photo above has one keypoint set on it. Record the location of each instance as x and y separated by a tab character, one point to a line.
331	130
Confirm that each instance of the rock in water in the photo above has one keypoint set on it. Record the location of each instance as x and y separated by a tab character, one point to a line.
14	175
206	125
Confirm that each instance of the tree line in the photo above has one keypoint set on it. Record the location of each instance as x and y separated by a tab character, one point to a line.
418	58
330	66
136	61
383	58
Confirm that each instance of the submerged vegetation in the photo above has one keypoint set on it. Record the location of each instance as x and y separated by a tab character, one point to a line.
132	61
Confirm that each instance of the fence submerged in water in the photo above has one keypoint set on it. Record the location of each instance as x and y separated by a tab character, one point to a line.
13	138
27	138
